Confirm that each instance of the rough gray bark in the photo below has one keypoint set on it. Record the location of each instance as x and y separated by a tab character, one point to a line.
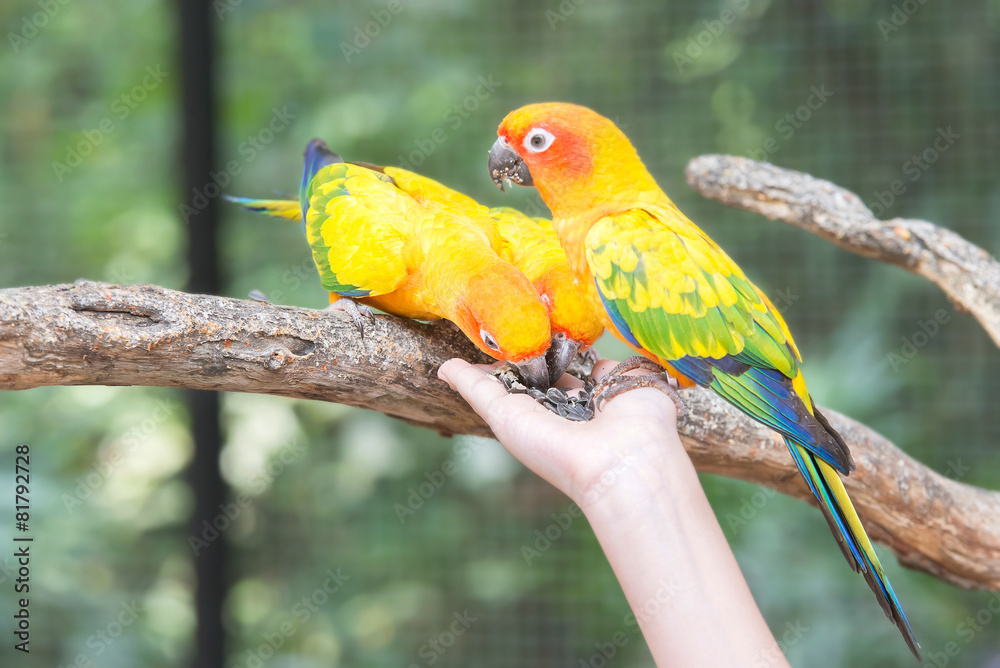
99	334
967	274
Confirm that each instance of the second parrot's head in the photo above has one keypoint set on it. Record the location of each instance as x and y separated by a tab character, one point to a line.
501	313
574	324
573	155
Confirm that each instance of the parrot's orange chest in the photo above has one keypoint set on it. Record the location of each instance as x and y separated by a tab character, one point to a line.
572	234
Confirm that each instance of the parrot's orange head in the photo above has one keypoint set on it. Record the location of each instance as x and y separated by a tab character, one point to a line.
502	314
575	325
572	154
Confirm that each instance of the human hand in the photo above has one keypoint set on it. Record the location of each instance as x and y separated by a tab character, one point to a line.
633	435
628	472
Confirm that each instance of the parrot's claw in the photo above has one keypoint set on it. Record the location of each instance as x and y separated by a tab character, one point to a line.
591	356
615	383
259	296
359	312
631	364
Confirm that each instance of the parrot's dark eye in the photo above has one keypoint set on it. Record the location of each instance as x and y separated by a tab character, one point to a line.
538	139
489	340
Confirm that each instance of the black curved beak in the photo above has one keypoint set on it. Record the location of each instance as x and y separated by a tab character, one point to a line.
534	372
560	354
506	165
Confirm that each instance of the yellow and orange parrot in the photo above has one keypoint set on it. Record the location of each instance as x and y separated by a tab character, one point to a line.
528	244
668	291
377	245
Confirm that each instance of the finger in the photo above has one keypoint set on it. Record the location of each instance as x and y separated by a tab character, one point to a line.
602	368
647	405
463	377
567	380
478	387
490	399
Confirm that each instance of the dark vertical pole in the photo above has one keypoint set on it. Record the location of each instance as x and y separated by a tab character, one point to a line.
197	159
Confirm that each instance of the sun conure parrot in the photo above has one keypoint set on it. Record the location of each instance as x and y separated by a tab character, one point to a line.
530	244
377	245
668	291
527	243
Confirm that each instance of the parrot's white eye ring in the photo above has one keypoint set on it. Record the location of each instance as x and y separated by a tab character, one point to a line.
489	340
537	140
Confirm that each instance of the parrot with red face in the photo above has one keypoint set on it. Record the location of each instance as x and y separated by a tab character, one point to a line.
668	291
376	245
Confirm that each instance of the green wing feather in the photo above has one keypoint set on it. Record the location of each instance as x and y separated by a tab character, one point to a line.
682	299
681	295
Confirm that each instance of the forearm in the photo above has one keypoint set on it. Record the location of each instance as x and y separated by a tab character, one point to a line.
675	566
629	473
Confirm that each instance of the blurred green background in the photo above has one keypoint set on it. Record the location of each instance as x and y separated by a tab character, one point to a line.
89	188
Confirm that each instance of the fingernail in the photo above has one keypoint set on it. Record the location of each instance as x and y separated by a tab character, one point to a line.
444	377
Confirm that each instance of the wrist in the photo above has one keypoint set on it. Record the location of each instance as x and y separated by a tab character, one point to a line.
655	473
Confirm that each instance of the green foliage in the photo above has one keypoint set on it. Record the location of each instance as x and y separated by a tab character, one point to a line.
324	485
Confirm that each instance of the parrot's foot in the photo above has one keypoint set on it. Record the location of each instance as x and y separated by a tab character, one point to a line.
358	312
614	383
556	399
631	364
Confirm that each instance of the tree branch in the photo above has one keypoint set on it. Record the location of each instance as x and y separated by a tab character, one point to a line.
967	274
99	334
